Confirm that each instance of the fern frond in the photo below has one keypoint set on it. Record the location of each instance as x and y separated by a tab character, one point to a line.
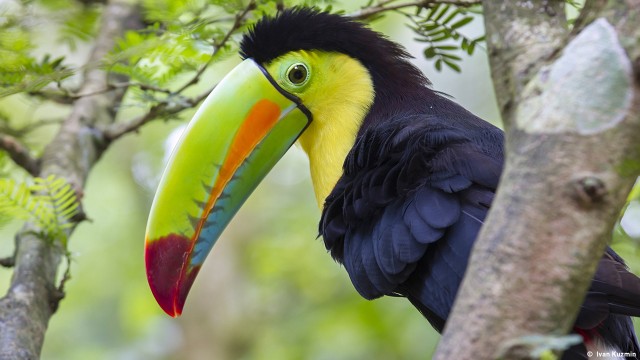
50	203
17	201
60	200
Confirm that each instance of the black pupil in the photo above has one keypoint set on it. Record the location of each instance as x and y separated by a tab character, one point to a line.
298	74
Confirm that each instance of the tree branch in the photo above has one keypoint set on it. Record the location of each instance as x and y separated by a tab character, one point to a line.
115	131
32	297
384	6
529	276
20	154
521	36
26	129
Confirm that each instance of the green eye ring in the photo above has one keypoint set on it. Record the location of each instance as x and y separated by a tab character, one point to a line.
298	74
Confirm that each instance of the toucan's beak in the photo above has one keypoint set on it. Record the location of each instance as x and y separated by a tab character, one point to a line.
241	130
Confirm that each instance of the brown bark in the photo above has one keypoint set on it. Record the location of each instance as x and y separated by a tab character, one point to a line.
571	106
33	296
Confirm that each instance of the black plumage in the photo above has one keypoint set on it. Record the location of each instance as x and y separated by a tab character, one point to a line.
414	193
418	183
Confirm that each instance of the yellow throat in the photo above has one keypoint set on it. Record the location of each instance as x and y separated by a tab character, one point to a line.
339	95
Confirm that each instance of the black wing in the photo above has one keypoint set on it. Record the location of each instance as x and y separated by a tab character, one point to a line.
404	216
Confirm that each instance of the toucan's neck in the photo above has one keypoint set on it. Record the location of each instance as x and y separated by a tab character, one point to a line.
351	101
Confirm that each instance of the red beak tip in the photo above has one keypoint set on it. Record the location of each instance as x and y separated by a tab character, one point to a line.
171	294
164	294
173	313
172	301
169	277
168	306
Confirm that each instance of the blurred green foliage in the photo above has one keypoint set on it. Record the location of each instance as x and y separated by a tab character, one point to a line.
269	290
21	68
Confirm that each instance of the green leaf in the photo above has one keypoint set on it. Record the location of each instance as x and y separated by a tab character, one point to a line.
443	11
471	48
447	47
430	27
438	64
442	37
462	22
451	65
438	31
451	56
430	52
451	16
432	12
464	44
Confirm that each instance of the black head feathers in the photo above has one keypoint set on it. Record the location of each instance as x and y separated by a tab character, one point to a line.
309	29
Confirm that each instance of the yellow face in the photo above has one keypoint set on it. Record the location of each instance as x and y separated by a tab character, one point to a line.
338	91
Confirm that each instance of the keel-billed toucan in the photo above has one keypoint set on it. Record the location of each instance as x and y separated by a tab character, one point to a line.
404	176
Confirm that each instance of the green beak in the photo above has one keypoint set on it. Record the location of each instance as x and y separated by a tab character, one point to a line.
241	130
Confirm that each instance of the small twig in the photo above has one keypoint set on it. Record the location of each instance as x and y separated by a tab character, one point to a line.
59	293
58	97
26	129
239	20
196	100
117	130
212	21
109	88
385	2
145	87
124	85
66	97
381	7
19	153
35	125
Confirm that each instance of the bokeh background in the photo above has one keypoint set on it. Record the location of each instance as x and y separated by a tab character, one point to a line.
269	290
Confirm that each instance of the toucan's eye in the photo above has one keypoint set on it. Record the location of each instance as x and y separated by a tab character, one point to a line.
297	74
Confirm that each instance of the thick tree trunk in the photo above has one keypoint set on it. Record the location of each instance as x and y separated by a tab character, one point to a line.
33	296
571	106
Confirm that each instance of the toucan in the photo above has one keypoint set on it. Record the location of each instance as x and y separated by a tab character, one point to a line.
404	175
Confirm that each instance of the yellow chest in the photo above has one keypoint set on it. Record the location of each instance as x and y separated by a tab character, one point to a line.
326	154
